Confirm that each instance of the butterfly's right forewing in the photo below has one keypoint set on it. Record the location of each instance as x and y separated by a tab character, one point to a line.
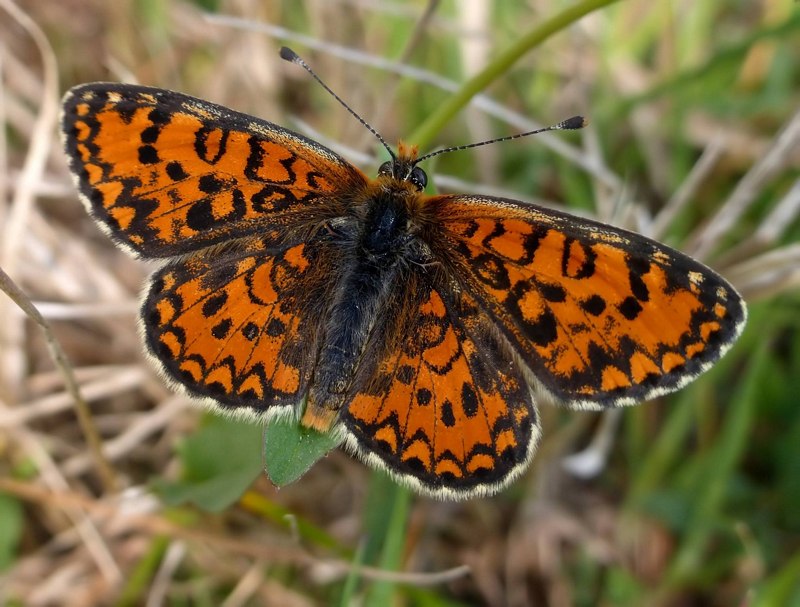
602	317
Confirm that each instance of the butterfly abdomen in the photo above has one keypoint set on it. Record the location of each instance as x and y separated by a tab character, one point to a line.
376	245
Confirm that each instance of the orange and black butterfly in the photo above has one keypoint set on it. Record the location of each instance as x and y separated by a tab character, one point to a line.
418	326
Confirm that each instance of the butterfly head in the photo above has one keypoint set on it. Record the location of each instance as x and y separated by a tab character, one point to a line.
403	166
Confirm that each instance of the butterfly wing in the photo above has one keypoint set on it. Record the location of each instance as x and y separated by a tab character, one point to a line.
164	173
438	400
601	316
239	325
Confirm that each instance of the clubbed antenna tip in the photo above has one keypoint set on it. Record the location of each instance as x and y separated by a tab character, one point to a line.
572	124
288	54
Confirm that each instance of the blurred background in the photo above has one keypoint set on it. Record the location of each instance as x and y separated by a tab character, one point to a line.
142	498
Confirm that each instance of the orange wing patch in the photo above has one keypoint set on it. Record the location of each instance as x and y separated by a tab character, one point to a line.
603	317
445	407
238	326
165	173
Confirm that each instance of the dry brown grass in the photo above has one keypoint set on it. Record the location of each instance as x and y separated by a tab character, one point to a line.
89	523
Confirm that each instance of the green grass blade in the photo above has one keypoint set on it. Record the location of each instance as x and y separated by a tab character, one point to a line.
783	588
719	468
427	131
387	524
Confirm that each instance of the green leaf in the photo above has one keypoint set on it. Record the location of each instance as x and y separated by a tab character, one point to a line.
220	461
291	449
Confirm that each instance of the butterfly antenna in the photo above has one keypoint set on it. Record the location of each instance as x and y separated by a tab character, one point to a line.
570	124
289	55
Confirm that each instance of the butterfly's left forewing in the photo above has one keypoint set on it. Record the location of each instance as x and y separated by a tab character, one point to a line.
601	317
165	174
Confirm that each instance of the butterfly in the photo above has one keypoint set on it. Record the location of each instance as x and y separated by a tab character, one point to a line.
420	327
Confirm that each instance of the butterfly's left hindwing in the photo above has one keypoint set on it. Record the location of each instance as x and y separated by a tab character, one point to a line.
240	325
602	317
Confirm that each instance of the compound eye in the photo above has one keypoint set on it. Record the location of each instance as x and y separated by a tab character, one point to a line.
418	178
386	168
